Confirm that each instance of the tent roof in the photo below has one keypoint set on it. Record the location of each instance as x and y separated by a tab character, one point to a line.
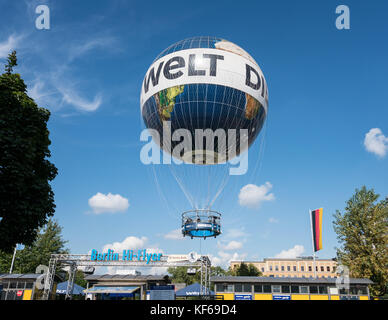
108	289
61	288
191	290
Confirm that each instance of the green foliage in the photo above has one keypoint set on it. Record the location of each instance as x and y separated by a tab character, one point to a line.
245	270
362	230
12	62
48	241
26	197
79	278
179	275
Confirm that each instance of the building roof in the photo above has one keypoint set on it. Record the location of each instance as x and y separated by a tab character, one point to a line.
286	280
283	259
124	277
19	276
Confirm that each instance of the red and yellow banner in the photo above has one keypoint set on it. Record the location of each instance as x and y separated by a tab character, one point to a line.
316	220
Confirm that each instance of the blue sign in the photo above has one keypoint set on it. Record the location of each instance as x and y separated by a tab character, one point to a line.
281	297
242	297
128	255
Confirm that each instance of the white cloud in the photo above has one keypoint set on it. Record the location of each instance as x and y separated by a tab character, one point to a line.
235	233
174	235
8	45
231	245
223	258
292	253
273	220
133	243
252	196
129	243
101	203
375	142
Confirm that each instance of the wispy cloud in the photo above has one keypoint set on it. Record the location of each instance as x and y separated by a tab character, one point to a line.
174	235
56	85
12	43
80	49
230	246
72	97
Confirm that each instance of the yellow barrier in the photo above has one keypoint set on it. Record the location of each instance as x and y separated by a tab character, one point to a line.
228	296
27	294
364	298
260	296
300	297
334	297
319	297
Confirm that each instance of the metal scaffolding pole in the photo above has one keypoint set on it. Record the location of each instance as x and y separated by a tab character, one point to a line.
49	281
70	282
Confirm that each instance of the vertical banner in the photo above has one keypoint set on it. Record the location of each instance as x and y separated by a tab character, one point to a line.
316	221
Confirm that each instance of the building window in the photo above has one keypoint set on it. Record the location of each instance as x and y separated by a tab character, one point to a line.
294	268
343	291
294	289
358	290
247	287
285	289
310	268
238	287
29	285
262	269
276	288
322	289
302	268
322	268
258	288
270	268
267	288
282	268
304	289
328	269
224	287
276	268
220	287
288	268
313	289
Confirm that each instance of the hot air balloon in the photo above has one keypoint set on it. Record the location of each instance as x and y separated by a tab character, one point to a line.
204	100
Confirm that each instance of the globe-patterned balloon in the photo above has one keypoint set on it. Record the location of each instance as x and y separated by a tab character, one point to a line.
204	83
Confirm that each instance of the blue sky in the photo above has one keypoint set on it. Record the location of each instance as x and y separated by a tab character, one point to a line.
327	90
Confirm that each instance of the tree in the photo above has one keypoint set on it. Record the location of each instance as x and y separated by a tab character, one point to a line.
179	275
79	278
49	241
245	270
26	197
362	230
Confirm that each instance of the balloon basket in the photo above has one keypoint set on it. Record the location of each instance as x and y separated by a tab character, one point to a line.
201	223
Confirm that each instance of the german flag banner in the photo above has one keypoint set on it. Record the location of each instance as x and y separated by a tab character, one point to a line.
316	221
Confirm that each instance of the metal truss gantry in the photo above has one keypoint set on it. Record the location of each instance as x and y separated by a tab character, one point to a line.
73	261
